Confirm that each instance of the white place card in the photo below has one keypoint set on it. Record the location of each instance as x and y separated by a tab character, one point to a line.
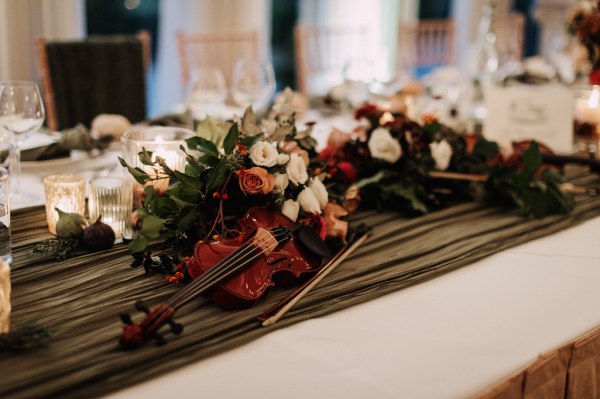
543	113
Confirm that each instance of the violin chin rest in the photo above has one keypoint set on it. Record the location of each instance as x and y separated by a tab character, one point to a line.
311	241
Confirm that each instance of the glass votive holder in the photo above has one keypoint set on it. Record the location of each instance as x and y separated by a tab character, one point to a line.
65	192
5	245
111	198
162	141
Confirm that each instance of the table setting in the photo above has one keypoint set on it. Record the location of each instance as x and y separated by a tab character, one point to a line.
217	242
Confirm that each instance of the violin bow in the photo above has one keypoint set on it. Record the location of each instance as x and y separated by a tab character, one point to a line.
567	187
272	315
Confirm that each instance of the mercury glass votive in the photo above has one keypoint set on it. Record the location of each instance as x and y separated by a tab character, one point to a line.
111	198
65	192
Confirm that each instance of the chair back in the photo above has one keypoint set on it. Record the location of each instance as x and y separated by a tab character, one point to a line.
426	43
83	78
321	53
215	50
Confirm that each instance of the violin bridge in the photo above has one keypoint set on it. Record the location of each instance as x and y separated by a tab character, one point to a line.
265	241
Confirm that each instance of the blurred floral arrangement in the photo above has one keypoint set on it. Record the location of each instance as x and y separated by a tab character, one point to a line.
398	164
584	23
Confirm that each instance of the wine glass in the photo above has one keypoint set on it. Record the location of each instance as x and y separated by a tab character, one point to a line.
207	92
252	83
21	113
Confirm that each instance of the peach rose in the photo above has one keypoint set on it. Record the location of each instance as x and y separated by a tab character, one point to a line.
336	228
352	199
256	180
291	147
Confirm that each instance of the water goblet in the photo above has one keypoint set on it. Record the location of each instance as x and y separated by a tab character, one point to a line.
21	113
252	83
206	93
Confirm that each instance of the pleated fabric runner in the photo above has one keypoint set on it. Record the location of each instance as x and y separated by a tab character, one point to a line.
79	300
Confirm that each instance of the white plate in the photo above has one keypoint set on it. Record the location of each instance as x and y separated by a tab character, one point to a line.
77	162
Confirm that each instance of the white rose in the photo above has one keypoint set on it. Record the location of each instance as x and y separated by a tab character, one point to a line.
308	201
296	170
263	154
320	191
290	209
281	183
383	146
282	159
441	153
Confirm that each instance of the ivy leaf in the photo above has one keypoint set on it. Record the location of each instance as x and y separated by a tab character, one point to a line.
231	140
151	226
138	244
203	145
138	174
217	176
532	158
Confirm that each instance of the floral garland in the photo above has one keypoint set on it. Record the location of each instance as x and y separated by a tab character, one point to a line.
393	161
584	23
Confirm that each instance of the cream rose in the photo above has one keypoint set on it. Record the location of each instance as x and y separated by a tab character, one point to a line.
256	180
281	183
441	153
308	201
296	170
282	159
320	191
263	154
290	209
383	146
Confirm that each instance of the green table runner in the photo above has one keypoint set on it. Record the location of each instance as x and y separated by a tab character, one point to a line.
79	299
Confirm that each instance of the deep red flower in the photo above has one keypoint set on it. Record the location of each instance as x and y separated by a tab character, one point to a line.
348	171
594	77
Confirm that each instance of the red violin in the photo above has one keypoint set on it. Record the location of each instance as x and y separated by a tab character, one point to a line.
237	272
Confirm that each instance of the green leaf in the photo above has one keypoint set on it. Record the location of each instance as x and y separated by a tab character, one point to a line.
203	145
532	158
251	140
217	176
138	174
189	217
550	174
409	194
371	180
145	157
151	226
210	130
189	181
209	160
231	140
138	244
486	149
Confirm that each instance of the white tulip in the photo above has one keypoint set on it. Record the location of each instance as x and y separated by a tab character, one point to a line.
296	170
320	191
308	201
290	209
263	154
383	146
281	183
441	153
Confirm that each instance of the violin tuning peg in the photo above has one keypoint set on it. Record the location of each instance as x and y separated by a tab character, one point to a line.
142	306
126	318
160	340
176	328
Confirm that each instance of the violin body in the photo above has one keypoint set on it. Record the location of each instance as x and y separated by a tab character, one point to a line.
283	266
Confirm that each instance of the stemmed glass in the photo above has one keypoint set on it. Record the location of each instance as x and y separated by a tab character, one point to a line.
252	83
21	113
207	92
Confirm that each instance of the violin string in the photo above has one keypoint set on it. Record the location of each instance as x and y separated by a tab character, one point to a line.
222	269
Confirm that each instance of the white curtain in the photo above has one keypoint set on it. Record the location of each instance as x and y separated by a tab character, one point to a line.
22	21
200	16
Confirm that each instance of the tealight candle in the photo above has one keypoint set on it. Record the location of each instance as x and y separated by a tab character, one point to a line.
587	108
65	192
